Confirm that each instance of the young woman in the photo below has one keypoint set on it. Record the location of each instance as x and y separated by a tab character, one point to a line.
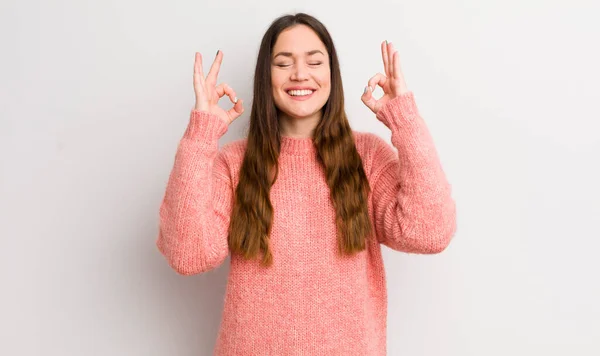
303	204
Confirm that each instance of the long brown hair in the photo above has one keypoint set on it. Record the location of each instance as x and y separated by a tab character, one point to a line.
252	214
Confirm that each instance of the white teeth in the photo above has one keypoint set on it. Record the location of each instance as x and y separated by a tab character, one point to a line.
299	92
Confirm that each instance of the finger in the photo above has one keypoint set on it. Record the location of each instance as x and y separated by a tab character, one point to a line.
224	89
390	50
386	64
198	70
397	69
368	98
377	79
198	75
236	110
211	78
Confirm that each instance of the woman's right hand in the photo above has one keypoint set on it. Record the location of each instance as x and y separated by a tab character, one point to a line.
208	93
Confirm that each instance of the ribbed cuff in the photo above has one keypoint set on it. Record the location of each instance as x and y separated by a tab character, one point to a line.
205	126
402	108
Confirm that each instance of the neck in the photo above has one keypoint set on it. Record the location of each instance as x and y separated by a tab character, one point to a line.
299	127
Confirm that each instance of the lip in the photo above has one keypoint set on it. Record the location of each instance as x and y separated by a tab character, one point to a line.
299	88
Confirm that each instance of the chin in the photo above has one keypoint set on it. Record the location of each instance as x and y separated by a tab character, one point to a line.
299	109
302	113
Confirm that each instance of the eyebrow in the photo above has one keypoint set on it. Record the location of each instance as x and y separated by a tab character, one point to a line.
289	54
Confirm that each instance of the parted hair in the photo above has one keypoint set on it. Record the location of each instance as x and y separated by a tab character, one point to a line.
252	212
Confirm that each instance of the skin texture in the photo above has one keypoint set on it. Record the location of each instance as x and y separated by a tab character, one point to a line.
299	68
392	82
208	93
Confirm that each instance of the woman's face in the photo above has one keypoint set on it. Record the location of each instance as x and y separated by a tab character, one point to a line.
300	61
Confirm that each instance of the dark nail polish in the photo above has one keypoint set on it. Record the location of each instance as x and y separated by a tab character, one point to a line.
217	53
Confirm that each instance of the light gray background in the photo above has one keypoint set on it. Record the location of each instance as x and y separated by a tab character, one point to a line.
95	96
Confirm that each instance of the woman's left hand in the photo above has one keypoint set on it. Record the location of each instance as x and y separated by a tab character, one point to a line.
392	82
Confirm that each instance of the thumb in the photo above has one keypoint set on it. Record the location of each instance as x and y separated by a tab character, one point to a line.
236	110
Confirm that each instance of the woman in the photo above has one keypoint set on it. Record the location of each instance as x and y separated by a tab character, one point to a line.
303	204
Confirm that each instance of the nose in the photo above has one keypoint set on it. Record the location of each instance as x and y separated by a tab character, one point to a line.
299	73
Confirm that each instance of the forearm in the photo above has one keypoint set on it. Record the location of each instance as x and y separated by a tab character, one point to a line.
193	213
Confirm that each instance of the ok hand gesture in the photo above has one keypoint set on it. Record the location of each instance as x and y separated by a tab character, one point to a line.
208	93
392	82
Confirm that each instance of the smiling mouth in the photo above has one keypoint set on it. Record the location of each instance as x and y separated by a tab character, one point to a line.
300	93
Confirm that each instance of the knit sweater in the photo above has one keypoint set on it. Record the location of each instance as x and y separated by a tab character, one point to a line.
311	301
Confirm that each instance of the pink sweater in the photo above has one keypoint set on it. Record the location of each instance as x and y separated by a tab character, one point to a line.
311	302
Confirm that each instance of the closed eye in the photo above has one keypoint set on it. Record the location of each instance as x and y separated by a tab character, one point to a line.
287	65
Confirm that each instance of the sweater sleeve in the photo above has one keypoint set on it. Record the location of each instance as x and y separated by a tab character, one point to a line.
196	208
412	204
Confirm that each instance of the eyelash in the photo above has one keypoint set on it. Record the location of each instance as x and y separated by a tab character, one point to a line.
314	64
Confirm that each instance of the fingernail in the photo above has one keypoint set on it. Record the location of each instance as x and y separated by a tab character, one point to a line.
366	88
386	42
235	100
217	53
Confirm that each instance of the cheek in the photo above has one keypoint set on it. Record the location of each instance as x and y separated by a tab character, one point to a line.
325	81
275	81
275	89
324	78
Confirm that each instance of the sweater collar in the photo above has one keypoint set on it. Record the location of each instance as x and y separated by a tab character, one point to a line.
297	145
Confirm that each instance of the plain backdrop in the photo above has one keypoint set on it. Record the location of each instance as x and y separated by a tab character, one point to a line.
95	95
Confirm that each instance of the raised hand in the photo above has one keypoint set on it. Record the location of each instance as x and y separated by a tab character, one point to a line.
208	93
392	82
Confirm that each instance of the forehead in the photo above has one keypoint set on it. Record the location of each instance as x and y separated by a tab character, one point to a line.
298	40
